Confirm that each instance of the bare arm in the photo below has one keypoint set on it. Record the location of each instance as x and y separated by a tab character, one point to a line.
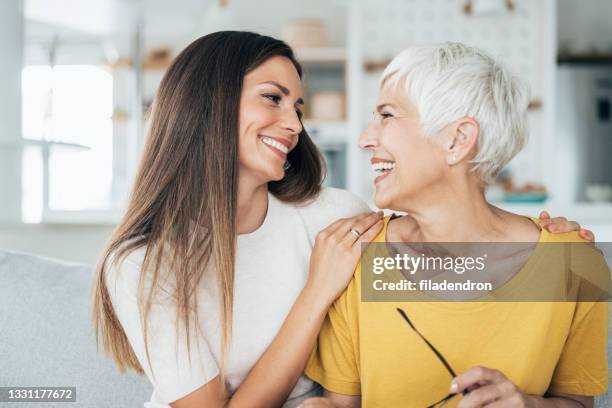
271	380
277	371
333	400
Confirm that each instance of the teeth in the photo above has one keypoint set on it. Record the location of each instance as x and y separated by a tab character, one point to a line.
275	144
380	166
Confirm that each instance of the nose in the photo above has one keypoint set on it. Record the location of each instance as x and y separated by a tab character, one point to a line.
369	137
290	121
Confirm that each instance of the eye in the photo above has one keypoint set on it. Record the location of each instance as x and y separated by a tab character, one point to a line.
386	115
273	97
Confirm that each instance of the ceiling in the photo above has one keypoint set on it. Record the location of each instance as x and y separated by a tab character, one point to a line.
76	19
105	17
94	29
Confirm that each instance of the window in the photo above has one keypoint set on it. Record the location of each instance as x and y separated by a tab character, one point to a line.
68	134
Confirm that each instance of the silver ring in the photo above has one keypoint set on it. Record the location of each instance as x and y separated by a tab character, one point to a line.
355	232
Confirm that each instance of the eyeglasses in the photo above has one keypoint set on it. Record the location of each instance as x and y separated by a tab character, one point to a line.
444	400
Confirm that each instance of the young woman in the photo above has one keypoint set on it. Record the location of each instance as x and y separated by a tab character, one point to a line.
207	285
448	119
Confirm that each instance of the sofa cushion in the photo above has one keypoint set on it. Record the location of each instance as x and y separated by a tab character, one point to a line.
46	337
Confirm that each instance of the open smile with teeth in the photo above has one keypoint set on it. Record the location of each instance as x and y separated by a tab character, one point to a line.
274	144
382	166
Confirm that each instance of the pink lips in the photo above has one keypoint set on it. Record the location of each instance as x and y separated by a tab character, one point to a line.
382	176
280	154
385	173
279	140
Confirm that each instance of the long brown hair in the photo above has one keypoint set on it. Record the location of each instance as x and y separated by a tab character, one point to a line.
183	203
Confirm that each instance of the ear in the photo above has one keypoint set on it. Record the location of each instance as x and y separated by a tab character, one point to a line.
463	138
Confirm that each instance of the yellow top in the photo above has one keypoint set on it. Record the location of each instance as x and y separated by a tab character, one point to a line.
367	349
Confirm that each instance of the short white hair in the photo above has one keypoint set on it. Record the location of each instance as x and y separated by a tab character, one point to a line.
451	80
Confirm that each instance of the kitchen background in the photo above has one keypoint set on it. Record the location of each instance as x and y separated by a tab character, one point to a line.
77	78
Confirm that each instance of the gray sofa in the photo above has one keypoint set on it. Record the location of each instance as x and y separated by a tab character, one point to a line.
46	337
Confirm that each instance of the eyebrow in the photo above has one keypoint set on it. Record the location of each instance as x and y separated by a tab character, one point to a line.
380	107
284	90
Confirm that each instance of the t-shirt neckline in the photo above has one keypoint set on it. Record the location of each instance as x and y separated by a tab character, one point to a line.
265	225
508	287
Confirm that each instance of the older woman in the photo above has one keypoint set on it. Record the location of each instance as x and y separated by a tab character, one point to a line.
448	118
218	234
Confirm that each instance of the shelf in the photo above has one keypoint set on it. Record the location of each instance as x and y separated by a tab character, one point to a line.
148	65
321	55
579	211
585	59
326	130
375	66
315	123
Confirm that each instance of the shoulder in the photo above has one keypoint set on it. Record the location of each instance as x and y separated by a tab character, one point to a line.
334	200
572	236
123	270
584	260
119	261
531	223
330	205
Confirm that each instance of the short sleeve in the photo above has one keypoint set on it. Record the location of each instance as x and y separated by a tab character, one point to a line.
331	205
173	371
334	362
583	366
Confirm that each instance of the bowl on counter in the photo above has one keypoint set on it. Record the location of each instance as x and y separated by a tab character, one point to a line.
533	197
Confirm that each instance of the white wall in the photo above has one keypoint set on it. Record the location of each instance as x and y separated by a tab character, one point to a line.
11	47
583	24
77	243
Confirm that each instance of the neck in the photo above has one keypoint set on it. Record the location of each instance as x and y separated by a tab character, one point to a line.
252	205
455	211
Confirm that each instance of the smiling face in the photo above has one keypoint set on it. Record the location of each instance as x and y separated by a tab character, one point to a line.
406	160
270	119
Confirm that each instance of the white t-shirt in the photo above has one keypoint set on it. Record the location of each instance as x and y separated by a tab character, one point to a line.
272	265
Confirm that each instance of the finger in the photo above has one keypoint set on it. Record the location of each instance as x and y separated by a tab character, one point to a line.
553	224
481	396
502	403
587	234
474	376
364	224
563	226
558	219
348	223
343	232
368	236
544	215
544	223
333	227
472	388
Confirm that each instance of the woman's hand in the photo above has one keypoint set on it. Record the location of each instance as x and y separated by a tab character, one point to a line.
489	388
486	387
561	224
336	252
